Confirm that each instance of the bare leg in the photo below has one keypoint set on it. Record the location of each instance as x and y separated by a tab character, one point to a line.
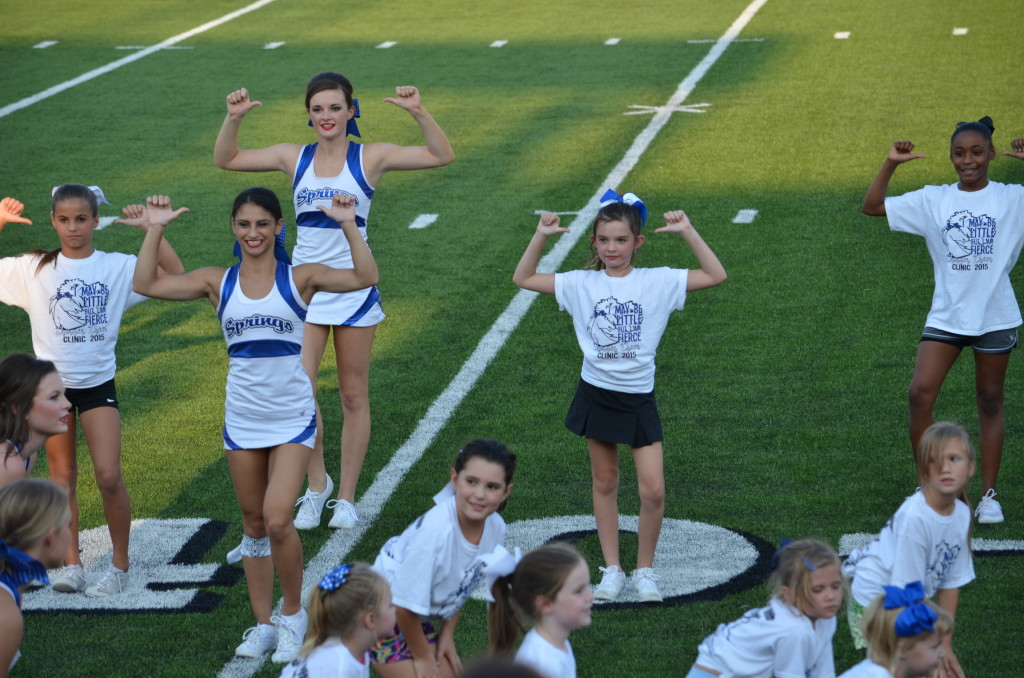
287	467
102	429
62	463
990	377
353	346
934	360
651	480
314	341
604	469
249	475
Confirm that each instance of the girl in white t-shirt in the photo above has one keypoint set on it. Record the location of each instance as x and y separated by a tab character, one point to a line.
927	539
619	314
904	632
974	230
32	408
34	535
75	296
349	611
436	563
792	636
551	587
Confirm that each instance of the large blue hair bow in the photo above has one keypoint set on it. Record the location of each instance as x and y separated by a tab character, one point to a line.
611	196
917	617
21	569
335	578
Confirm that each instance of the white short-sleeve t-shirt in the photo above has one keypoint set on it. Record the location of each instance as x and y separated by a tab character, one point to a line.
546	659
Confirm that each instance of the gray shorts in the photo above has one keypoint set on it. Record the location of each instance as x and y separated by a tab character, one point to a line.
998	341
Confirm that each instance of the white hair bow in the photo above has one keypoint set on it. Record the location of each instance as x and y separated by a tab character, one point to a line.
96	190
498	563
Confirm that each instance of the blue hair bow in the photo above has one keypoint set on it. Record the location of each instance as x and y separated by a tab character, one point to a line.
783	543
917	617
351	128
280	253
611	196
335	578
19	569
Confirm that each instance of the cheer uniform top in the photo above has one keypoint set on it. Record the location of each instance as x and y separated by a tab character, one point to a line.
329	660
320	238
74	307
269	398
974	238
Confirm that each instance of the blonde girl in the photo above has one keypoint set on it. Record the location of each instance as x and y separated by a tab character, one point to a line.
619	313
792	636
32	408
75	297
349	610
317	171
551	587
34	535
434	565
926	540
904	632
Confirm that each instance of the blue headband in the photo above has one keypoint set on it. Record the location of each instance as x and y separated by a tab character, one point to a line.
610	196
335	578
917	617
19	569
280	253
351	129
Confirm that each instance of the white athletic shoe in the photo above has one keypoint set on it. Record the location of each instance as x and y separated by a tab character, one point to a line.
235	555
645	582
70	580
344	514
257	641
613	580
311	506
114	581
291	631
989	511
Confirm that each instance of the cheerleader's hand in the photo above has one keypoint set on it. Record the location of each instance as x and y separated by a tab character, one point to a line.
901	152
549	225
239	103
343	208
1018	149
675	222
10	211
159	211
134	216
408	98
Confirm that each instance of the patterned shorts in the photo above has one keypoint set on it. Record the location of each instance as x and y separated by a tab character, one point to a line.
395	649
854	613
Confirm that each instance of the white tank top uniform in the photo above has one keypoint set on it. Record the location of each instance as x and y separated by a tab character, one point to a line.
546	659
320	239
269	397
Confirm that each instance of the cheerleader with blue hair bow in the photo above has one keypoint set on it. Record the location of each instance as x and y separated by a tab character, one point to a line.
619	313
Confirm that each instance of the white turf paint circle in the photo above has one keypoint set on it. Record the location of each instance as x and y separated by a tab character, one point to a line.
744	217
114	65
44	44
842	35
387	480
691	556
423	220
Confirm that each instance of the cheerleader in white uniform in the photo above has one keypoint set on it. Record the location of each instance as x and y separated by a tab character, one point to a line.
269	423
318	171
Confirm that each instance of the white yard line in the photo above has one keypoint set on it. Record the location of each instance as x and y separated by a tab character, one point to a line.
114	65
387	480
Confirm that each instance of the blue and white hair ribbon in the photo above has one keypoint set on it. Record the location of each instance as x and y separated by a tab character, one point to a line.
351	128
335	578
19	569
783	543
917	617
96	190
446	493
280	253
498	563
610	196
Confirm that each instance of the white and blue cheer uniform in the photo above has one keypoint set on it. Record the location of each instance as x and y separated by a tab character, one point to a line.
269	397
320	238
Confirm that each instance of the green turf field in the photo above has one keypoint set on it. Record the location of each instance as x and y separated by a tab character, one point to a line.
782	392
